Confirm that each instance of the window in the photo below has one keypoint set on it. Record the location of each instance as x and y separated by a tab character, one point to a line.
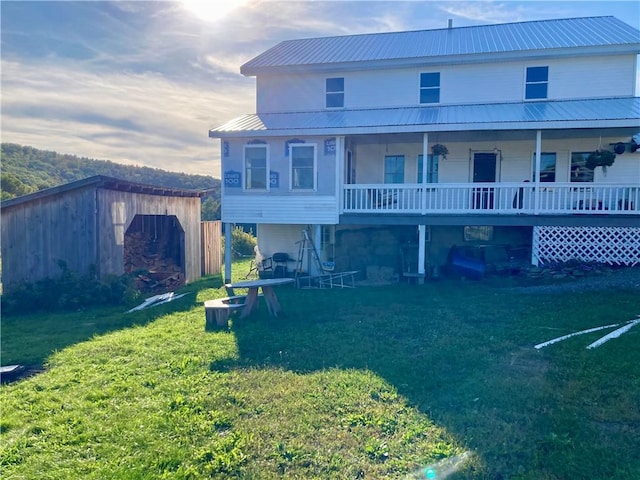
432	168
430	87
536	83
579	170
476	233
303	166
394	169
256	167
334	88
547	167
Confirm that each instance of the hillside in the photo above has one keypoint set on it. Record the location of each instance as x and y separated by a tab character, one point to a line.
26	169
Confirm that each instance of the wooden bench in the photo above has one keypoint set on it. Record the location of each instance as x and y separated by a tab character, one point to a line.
217	311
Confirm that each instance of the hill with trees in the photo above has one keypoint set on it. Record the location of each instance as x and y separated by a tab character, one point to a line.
26	170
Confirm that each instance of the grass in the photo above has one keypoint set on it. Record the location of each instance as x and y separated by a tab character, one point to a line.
376	382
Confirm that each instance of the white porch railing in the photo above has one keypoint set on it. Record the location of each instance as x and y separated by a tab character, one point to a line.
492	198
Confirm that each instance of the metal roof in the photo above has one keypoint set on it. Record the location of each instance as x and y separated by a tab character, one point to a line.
102	181
592	113
543	35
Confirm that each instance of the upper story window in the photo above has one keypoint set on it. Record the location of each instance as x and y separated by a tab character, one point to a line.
394	169
547	167
303	166
537	83
432	168
256	167
430	87
334	88
579	170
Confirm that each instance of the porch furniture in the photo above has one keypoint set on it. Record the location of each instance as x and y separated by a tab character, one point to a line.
409	259
380	199
270	298
280	262
217	311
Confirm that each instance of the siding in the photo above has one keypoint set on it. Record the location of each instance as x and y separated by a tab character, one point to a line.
116	210
37	235
302	210
279	163
609	76
211	240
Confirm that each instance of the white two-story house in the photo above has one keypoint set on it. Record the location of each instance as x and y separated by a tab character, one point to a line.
441	138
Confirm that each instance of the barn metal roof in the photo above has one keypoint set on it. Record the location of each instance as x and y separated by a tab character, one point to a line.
108	183
607	112
438	44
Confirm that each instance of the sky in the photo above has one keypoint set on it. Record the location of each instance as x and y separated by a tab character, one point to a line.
142	82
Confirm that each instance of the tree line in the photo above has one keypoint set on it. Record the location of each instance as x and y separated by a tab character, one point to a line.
26	170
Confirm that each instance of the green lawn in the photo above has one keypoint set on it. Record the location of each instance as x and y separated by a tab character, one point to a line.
374	382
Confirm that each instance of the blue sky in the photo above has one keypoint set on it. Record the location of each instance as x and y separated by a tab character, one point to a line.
141	83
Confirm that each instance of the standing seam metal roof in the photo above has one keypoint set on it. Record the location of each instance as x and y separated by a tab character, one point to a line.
486	39
439	118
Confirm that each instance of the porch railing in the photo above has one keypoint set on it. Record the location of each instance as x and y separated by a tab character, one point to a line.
493	198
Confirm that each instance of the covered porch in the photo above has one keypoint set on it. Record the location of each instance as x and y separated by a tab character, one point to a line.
489	198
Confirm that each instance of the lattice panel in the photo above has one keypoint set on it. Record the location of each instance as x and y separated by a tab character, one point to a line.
613	245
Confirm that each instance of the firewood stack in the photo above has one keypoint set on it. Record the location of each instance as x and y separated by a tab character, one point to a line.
156	272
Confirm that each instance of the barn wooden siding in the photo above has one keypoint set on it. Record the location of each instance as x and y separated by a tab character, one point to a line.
116	210
83	225
37	235
211	247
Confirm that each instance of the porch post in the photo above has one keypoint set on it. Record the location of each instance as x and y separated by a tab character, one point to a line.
340	146
317	241
537	177
425	163
227	253
422	229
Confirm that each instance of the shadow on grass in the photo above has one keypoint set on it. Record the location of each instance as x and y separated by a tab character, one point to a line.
461	353
30	339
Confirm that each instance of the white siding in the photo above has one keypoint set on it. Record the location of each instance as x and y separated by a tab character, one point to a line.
279	238
279	163
302	209
516	164
580	77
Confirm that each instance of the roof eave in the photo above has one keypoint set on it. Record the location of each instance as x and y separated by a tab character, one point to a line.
418	128
624	49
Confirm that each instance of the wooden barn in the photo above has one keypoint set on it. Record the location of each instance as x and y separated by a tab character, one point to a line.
105	225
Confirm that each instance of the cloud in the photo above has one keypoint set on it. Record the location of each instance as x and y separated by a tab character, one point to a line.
132	118
143	82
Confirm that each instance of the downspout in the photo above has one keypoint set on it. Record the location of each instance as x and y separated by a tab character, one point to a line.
422	229
340	146
425	162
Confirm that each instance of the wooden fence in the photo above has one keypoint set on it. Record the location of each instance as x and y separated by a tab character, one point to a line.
211	234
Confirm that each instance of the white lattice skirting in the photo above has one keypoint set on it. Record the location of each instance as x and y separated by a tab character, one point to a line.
613	245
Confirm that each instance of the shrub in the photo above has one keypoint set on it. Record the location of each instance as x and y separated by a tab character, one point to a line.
242	243
69	291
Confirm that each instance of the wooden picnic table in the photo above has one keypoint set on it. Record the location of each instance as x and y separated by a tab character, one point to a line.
270	298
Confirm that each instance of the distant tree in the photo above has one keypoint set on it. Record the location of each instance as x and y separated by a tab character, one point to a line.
31	170
210	209
12	186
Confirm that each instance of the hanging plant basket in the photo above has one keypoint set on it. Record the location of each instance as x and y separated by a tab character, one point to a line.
600	158
439	149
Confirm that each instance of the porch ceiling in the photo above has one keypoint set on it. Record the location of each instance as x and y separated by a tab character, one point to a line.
547	115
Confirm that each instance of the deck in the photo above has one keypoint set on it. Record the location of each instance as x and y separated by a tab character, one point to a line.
492	199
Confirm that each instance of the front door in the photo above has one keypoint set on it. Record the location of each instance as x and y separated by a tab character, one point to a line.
484	171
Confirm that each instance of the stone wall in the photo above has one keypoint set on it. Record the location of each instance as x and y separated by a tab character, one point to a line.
375	252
